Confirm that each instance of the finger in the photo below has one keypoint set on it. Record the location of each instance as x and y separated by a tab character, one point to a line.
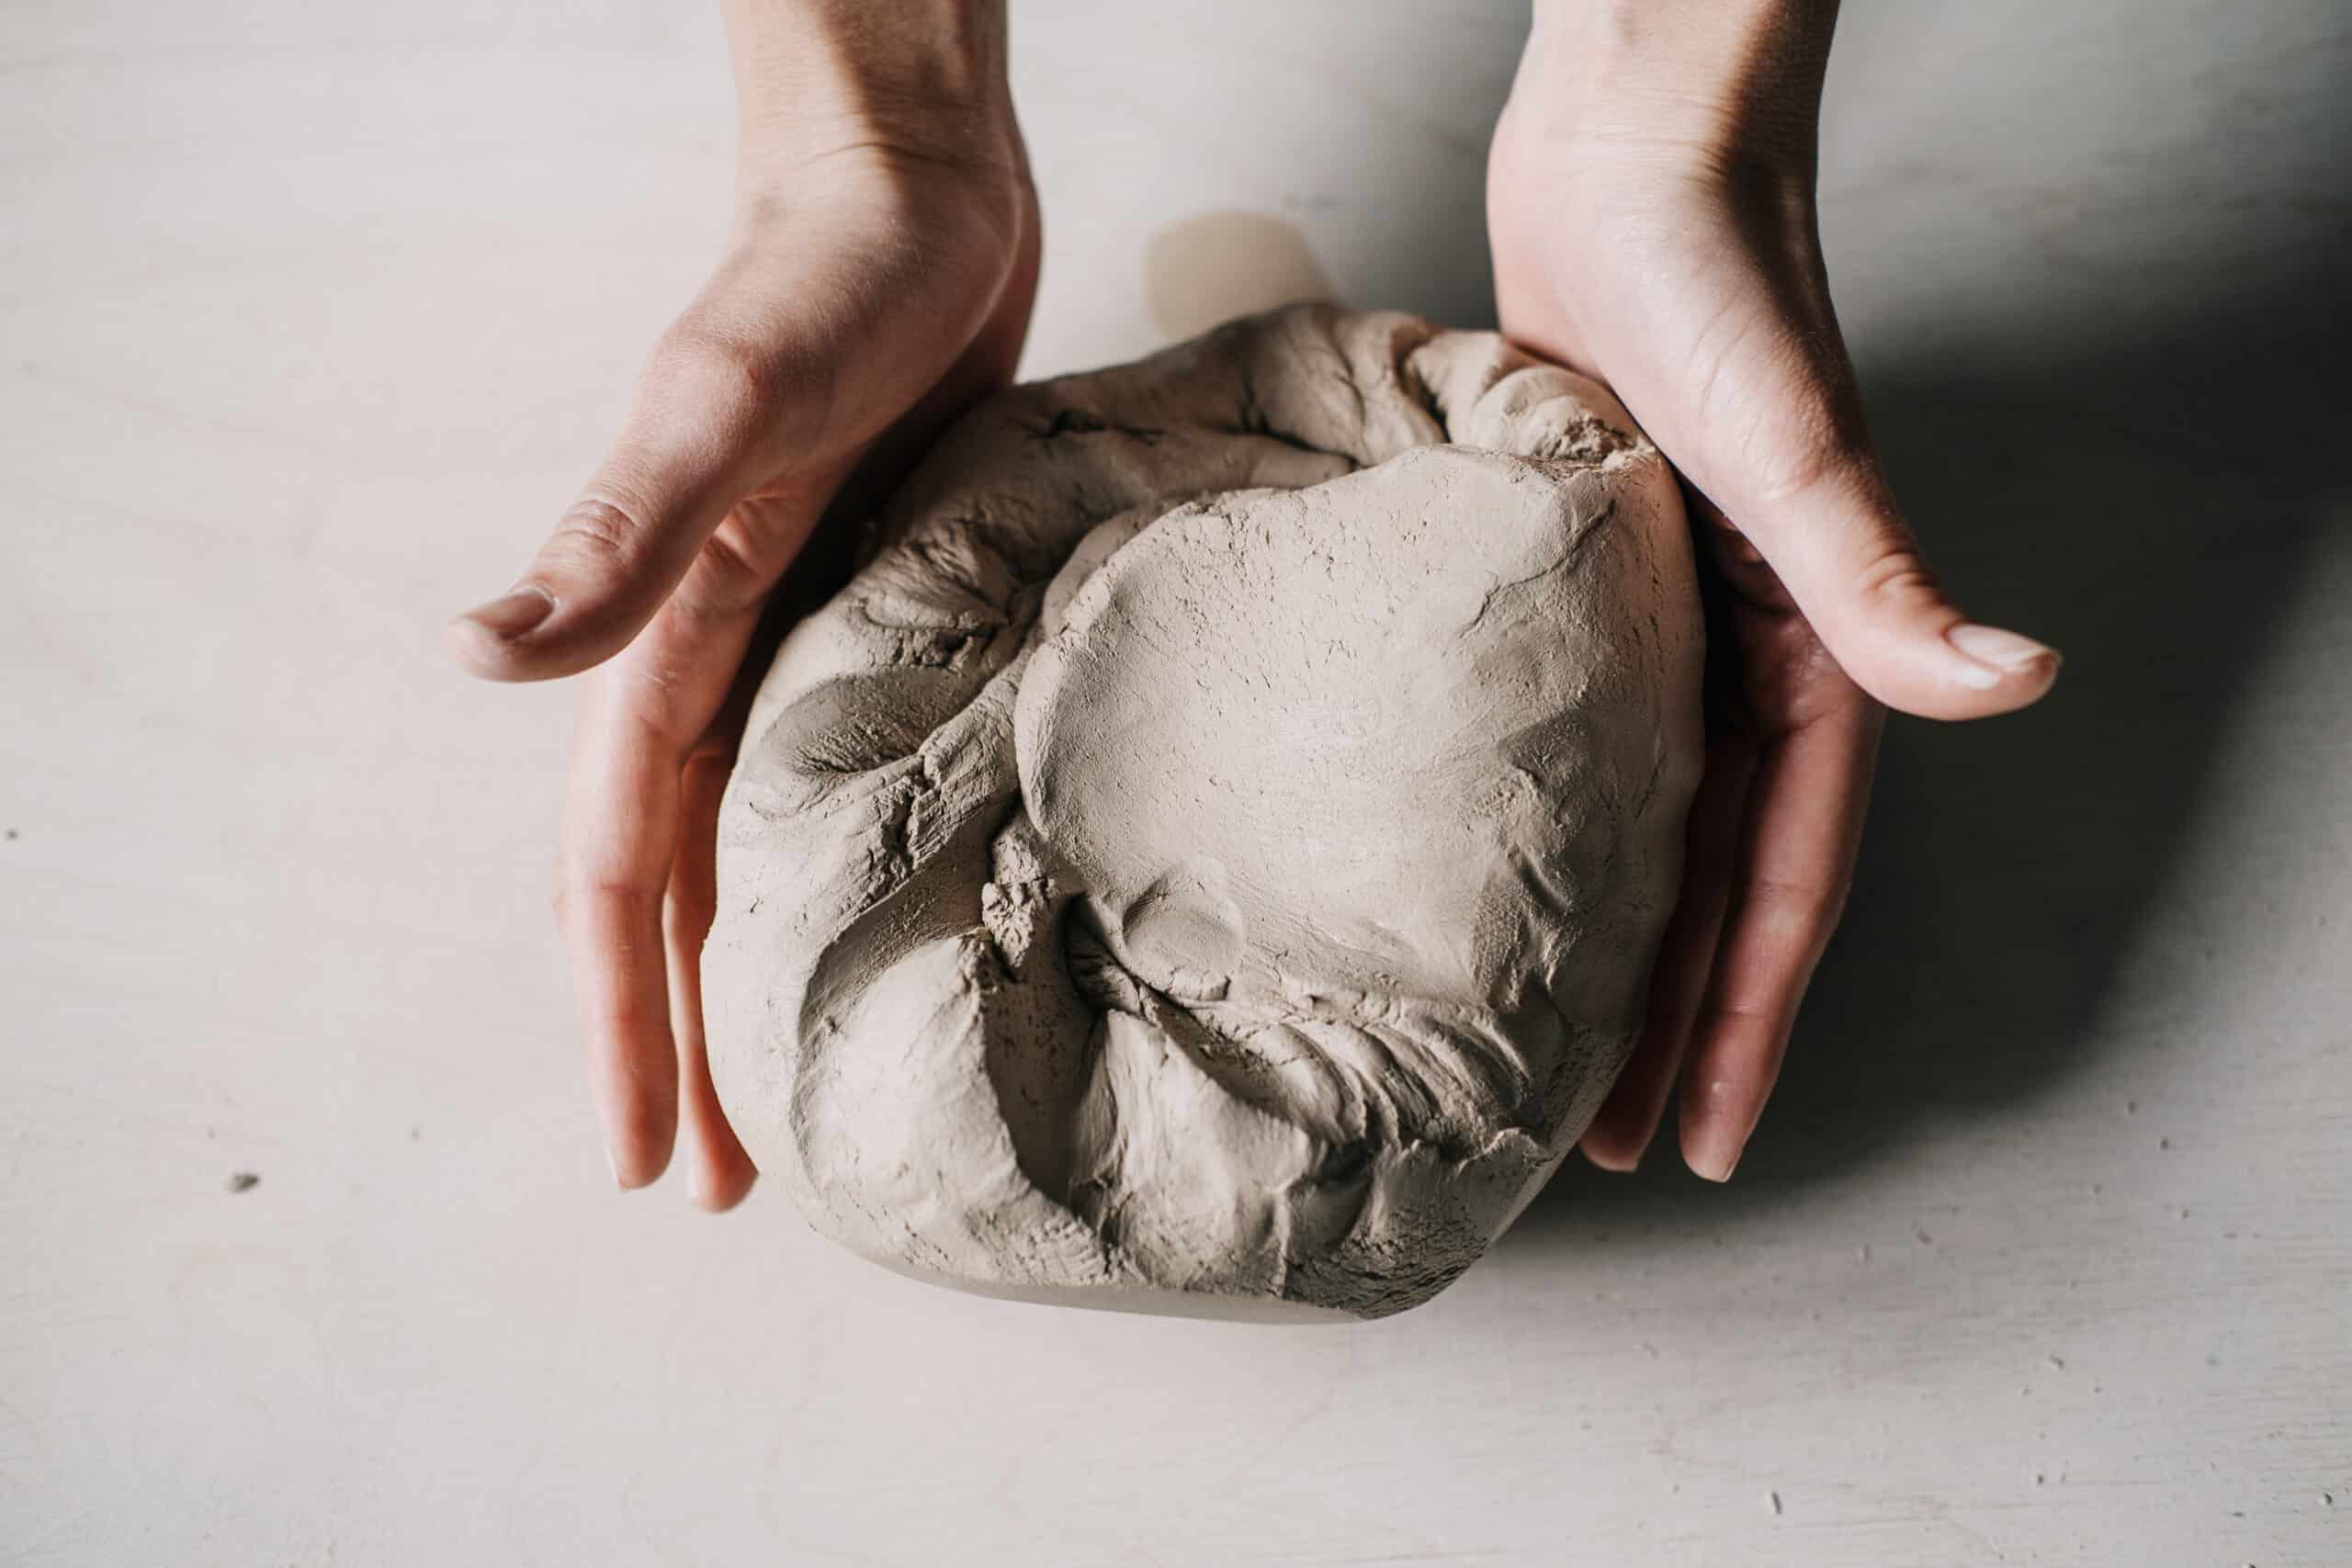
688	452
1628	1117
619	832
1796	861
622	829
718	1172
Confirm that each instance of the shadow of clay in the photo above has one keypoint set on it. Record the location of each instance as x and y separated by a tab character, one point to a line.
1203	271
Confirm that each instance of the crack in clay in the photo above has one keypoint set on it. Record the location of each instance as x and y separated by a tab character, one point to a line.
1078	422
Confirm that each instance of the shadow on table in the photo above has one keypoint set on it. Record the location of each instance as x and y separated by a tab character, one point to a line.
2154	510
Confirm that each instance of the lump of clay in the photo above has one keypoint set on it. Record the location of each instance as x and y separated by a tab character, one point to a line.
1210	859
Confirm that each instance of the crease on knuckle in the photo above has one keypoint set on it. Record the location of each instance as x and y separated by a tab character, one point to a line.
1825	450
600	531
1749	1014
1896	579
1802	905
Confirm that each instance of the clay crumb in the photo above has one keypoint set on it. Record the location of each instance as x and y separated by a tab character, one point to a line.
243	1181
1774	1499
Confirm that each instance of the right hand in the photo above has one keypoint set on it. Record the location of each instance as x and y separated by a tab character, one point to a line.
1651	203
878	277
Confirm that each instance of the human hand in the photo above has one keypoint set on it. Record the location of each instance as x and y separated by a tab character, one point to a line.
878	276
1650	201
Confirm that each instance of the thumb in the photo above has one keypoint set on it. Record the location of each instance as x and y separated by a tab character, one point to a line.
683	460
1800	479
1841	549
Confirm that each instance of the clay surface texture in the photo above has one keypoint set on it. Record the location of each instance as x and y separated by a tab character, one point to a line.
1210	858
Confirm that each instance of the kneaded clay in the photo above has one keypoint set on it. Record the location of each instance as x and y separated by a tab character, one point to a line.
1210	858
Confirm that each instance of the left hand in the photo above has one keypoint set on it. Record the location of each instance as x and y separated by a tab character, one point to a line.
1650	199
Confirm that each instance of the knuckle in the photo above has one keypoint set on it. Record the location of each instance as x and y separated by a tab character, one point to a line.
1809	436
1784	399
1797	916
601	908
1808	899
724	378
1738	1023
600	532
1821	449
1895	575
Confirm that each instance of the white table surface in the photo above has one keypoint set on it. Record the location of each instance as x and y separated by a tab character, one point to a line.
310	318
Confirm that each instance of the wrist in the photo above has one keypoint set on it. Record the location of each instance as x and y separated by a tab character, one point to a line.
1734	85
922	77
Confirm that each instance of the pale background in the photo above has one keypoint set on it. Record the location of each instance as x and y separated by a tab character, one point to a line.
312	316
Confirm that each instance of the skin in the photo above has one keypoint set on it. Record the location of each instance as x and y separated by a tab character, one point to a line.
1651	208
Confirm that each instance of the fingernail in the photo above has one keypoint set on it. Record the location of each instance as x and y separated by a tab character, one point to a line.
1714	1152
1996	653
613	1164
514	612
1716	1164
